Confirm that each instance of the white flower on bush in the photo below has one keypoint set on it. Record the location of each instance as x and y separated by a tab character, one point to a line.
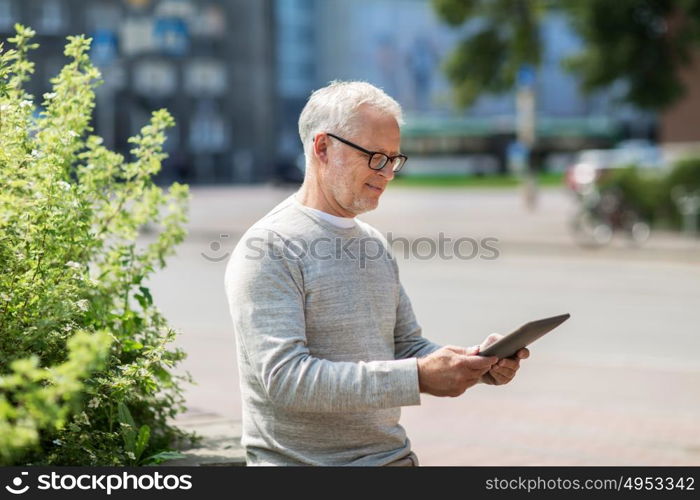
94	403
83	419
73	265
83	305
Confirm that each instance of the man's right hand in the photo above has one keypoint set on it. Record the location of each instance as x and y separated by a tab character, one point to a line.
451	370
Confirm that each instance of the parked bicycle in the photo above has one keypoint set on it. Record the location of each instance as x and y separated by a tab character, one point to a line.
602	214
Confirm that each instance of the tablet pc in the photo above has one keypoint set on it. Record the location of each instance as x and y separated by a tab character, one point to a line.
523	336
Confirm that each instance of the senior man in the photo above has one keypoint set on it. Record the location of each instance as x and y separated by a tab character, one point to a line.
329	348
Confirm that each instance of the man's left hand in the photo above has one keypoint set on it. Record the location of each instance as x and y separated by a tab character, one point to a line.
505	369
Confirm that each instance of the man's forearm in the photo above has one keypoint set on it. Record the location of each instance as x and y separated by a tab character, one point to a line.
306	383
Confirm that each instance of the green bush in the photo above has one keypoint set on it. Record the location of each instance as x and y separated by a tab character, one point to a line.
641	189
685	176
86	363
650	192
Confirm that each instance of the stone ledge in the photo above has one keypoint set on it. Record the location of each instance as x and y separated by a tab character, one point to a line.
220	445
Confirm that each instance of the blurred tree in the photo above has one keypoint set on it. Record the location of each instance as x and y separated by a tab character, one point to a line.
642	43
503	36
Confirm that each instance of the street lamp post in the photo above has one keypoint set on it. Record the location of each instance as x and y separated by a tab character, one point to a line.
525	130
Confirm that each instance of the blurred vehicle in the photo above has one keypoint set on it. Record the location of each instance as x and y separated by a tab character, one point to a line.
591	165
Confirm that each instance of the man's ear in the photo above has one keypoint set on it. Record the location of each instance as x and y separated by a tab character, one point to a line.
320	149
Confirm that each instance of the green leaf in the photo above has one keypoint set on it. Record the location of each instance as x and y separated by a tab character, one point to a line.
125	415
147	295
142	441
131	345
141	300
163	456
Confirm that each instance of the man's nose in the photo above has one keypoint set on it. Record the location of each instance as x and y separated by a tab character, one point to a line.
387	172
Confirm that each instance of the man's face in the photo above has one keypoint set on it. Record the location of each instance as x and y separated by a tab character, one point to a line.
355	187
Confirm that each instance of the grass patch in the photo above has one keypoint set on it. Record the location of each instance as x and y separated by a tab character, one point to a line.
472	181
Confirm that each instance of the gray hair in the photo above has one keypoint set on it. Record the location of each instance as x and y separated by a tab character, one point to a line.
333	107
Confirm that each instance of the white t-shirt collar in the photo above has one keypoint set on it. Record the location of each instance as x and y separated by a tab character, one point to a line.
342	222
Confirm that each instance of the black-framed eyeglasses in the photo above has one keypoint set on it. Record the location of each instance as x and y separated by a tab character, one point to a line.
377	160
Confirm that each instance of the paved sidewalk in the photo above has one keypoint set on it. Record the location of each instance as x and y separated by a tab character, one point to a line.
564	414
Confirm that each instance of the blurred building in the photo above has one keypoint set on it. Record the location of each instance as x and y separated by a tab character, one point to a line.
210	62
680	124
297	76
399	45
236	74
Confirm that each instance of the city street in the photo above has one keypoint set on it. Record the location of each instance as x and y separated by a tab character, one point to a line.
618	384
104	103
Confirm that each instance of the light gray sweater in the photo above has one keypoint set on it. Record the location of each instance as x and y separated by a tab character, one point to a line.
327	342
